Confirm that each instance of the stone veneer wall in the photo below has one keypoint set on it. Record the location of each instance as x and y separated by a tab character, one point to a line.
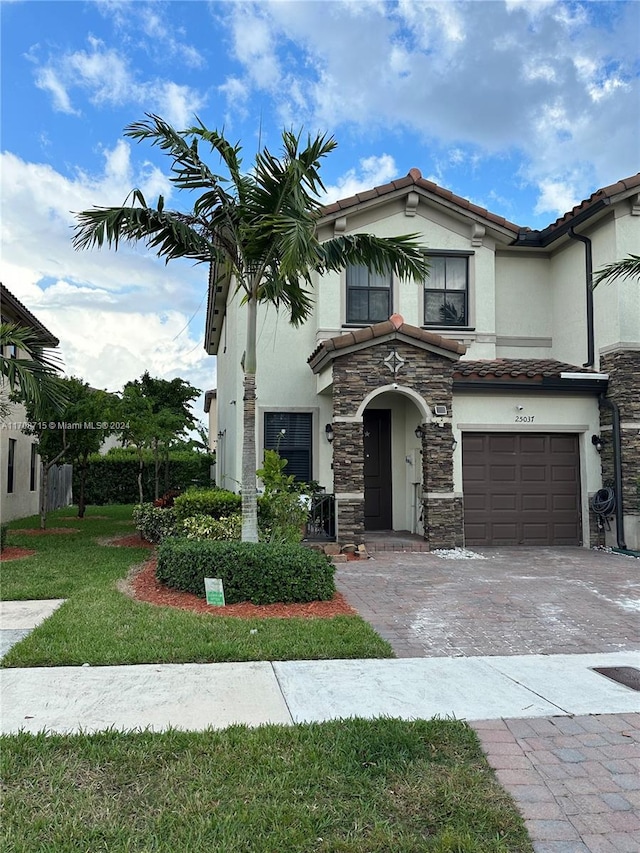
442	516
623	368
355	375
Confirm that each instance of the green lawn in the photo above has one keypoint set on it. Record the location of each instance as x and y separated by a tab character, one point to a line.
353	786
99	625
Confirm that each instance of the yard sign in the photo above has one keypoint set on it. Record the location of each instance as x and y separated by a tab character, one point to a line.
214	591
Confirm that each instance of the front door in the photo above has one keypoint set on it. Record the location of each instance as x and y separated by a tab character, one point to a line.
377	469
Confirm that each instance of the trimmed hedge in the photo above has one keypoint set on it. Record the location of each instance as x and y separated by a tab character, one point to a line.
3	536
218	503
113	479
255	572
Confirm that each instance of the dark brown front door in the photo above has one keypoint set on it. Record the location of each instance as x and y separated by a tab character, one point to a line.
521	489
377	469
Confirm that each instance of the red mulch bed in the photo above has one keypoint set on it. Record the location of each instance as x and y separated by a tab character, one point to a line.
50	531
84	518
132	541
145	587
12	552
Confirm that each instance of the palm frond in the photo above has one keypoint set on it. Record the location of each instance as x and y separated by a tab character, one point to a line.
32	377
399	255
170	234
627	268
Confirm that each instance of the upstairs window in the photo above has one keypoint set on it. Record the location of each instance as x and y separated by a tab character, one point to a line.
446	291
368	295
290	434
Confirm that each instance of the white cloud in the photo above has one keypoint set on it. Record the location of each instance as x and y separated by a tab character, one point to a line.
104	75
373	171
48	81
535	78
116	313
556	197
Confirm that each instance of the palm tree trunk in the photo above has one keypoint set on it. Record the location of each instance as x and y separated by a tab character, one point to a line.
249	499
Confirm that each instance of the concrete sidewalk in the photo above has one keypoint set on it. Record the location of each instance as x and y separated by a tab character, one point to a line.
196	696
563	740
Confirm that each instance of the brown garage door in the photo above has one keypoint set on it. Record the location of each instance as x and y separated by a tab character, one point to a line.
521	489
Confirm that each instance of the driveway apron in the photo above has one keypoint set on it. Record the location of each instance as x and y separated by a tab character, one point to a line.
575	779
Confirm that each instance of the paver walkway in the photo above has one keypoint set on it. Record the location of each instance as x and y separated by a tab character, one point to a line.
516	601
576	780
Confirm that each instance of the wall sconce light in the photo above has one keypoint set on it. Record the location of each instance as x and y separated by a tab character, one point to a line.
328	431
419	432
454	444
598	442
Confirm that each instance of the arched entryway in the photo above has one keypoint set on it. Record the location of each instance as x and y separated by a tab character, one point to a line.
393	475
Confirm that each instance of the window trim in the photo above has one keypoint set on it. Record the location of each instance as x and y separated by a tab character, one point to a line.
314	411
358	324
469	323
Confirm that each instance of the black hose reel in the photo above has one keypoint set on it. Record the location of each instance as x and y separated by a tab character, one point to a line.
603	503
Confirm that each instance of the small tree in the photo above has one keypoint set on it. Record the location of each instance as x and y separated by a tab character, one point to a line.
70	435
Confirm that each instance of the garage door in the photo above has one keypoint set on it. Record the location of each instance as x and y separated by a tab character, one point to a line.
521	489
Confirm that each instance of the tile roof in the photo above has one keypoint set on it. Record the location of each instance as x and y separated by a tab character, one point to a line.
515	368
395	326
414	178
18	312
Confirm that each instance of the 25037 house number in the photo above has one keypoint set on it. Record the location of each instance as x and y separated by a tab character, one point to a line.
524	419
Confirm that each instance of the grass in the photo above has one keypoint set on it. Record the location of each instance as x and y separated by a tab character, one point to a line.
100	626
352	786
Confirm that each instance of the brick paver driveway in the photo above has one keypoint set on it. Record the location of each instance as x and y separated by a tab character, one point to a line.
576	780
515	601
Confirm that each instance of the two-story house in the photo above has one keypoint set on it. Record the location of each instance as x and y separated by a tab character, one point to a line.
19	460
485	407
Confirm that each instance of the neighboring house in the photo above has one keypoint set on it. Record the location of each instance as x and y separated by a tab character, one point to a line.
19	461
470	410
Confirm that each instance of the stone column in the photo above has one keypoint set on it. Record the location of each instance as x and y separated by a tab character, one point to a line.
441	508
348	480
623	367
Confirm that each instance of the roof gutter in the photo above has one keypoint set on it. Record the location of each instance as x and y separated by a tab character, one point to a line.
588	255
617	468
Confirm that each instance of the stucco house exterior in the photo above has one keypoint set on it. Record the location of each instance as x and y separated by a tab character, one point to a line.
19	460
485	407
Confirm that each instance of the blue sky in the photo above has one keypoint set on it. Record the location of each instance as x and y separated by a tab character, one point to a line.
522	107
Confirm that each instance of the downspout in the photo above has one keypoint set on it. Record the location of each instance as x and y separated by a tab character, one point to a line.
589	293
617	468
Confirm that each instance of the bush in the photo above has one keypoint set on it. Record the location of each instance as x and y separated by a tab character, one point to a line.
282	516
216	503
3	536
205	527
113	479
155	523
260	573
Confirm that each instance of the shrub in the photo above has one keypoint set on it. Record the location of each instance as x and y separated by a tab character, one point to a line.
217	503
282	516
256	572
155	523
113	479
3	536
205	527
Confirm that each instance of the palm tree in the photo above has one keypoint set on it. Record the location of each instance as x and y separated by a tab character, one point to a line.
626	268
31	371
257	229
